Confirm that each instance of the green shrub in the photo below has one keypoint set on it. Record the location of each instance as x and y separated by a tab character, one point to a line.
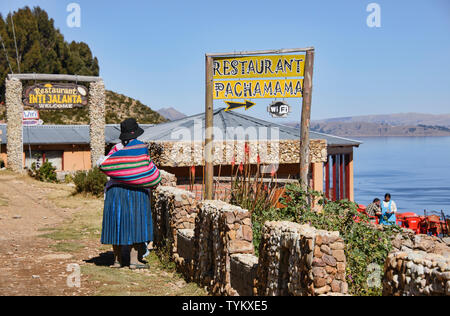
365	245
92	182
68	178
46	173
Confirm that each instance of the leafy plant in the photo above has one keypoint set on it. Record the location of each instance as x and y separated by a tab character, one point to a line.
92	182
44	173
68	178
365	244
252	191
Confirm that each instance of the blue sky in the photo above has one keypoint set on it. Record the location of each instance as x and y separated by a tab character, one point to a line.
154	50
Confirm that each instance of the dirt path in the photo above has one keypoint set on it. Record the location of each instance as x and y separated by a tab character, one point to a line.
44	229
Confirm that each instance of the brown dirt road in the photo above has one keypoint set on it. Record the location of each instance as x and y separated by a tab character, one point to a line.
44	228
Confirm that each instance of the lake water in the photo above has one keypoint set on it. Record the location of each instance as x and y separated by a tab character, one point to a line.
415	170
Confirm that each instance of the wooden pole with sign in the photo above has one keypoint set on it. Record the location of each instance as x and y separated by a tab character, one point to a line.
209	168
305	120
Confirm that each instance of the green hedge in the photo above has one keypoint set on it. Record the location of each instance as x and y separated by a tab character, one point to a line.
92	182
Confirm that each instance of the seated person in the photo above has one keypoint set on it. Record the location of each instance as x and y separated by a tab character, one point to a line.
374	208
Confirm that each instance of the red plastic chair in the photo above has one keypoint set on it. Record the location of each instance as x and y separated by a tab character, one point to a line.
413	223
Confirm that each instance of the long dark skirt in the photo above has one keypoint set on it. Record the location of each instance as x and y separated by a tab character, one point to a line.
127	217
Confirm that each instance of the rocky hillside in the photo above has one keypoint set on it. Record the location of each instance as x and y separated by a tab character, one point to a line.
171	114
118	108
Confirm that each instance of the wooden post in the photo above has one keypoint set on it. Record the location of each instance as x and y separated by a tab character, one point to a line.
209	128
305	120
327	177
334	178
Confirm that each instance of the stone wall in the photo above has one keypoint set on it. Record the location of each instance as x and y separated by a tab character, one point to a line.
168	179
217	250
407	240
186	154
97	119
418	265
14	114
221	230
173	209
416	273
185	253
243	273
212	244
300	260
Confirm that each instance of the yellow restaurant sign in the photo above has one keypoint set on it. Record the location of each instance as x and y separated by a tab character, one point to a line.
259	67
248	72
253	89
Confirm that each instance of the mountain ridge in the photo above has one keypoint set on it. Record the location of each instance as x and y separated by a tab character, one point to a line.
171	114
398	124
396	119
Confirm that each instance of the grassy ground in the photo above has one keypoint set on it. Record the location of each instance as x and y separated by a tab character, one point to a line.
80	237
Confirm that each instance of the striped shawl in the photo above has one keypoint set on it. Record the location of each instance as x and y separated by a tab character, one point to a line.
132	166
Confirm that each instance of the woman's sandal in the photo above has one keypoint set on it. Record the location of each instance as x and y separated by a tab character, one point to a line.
138	266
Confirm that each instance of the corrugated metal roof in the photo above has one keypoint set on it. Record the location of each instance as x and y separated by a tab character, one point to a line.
188	128
192	128
64	134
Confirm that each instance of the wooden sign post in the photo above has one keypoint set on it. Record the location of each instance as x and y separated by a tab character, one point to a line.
306	119
257	70
209	168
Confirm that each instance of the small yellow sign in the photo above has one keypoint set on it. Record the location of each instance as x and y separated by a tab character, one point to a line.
254	89
272	66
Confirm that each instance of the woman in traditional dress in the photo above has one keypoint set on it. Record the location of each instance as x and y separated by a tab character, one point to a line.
127	217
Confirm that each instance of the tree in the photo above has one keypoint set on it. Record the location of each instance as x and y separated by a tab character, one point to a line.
41	47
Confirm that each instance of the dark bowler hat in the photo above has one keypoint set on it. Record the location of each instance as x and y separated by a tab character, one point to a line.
129	129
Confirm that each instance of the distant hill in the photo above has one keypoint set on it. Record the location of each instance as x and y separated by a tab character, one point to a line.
353	129
171	114
399	119
402	124
118	107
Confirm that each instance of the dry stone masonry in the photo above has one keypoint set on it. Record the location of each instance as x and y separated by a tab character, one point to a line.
186	154
419	265
168	179
221	230
174	209
212	244
14	114
243	273
300	260
97	119
416	273
407	240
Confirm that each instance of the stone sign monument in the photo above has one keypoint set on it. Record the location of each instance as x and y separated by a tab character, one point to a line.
95	99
